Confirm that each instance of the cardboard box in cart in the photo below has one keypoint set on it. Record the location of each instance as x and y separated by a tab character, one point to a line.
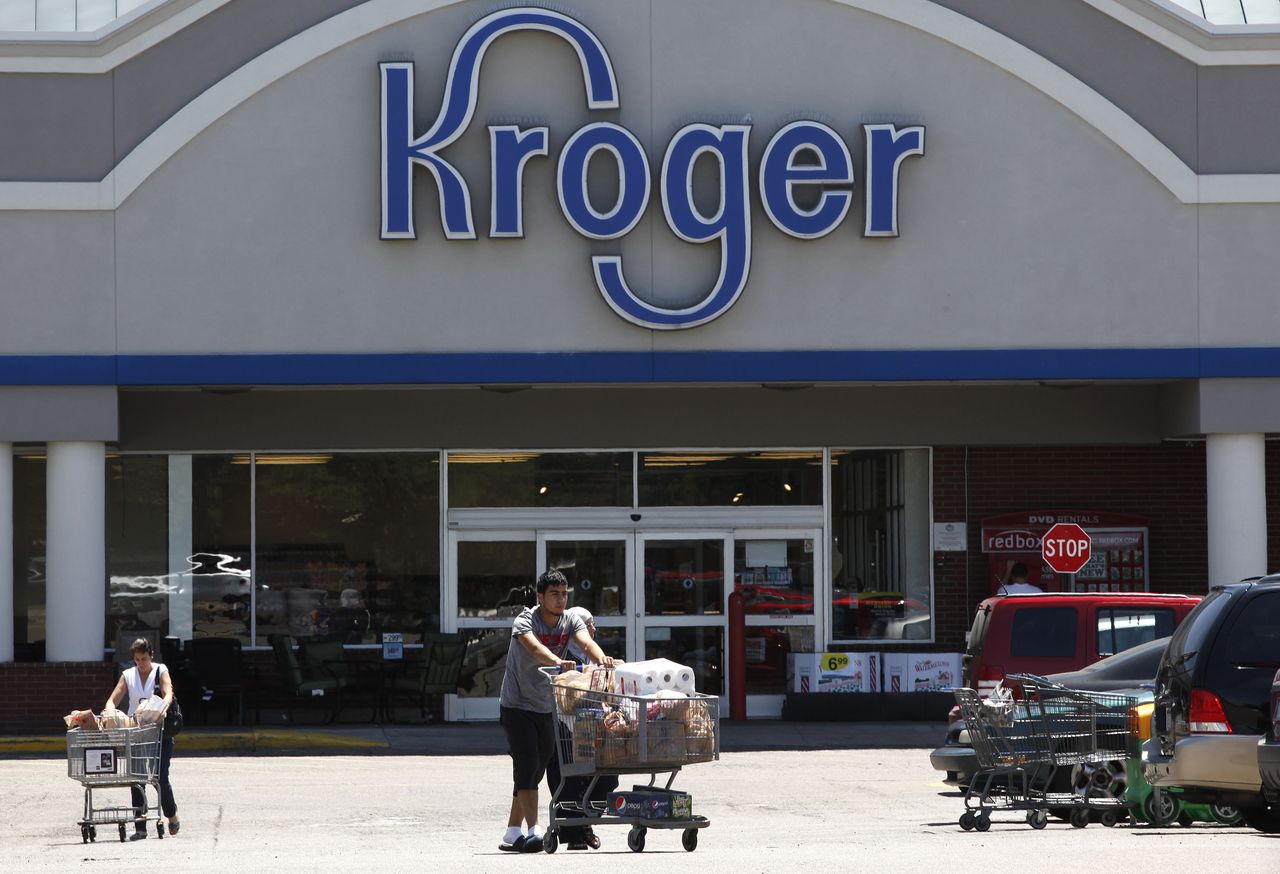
834	671
920	671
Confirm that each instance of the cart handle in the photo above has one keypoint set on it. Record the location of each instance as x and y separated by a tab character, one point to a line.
552	671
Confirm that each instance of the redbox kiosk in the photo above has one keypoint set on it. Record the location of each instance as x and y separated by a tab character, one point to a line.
1118	563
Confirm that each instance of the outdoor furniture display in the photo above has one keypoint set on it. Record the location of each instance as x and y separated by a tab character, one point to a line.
327	660
219	671
300	690
436	674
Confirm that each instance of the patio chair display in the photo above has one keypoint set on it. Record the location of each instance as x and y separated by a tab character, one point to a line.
437	674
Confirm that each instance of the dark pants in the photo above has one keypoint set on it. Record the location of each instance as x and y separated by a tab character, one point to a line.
574	787
529	739
167	804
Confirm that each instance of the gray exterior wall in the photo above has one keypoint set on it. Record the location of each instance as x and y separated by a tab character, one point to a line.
1024	227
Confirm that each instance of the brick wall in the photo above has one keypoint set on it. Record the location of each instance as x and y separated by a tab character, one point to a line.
36	696
1165	482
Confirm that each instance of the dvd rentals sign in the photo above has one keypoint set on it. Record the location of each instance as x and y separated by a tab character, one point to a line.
804	156
1052	544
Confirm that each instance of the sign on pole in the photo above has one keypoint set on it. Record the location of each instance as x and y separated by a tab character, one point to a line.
1066	547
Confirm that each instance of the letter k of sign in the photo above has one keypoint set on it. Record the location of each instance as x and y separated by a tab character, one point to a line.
401	150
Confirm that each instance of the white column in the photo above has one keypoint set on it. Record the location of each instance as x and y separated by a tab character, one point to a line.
1237	506
180	580
6	552
76	590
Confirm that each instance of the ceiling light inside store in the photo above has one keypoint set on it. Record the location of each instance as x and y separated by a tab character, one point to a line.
542	491
492	457
737	497
786	486
283	459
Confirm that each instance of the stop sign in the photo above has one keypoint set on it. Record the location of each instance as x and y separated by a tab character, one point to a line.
1066	547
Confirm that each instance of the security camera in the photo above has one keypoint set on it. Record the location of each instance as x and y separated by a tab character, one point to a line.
635	517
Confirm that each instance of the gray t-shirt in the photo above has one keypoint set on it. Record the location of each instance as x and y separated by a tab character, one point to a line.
523	685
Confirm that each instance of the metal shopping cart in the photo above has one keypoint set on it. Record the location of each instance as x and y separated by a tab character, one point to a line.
1025	744
115	758
600	733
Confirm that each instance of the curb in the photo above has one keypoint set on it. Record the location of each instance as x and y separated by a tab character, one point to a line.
266	740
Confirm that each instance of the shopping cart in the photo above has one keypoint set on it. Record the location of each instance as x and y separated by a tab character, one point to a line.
1023	744
600	733
115	758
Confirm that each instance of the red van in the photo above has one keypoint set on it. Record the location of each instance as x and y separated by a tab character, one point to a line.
1054	633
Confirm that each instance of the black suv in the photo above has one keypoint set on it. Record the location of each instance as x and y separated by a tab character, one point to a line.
1212	705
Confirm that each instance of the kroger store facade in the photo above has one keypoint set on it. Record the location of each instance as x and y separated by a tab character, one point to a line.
390	305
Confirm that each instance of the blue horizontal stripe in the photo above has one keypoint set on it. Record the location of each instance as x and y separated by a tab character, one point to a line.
556	368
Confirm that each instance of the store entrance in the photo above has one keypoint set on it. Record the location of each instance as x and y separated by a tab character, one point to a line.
654	594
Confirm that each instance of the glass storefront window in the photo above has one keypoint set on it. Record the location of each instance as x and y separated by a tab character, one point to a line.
778	478
596	571
767	651
28	557
880	549
540	479
177	547
496	578
347	545
683	577
700	647
775	577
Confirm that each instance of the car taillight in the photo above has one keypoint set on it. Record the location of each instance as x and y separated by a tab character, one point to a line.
989	677
1140	721
1207	715
954	715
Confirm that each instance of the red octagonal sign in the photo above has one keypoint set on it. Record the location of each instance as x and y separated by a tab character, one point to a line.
1066	547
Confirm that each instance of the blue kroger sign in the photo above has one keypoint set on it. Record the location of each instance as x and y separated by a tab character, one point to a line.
780	173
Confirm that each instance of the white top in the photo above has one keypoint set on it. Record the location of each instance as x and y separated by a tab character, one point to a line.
140	690
1019	589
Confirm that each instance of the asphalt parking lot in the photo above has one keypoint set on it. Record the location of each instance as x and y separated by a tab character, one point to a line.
828	810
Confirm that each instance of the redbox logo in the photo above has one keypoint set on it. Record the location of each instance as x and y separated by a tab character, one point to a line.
1014	541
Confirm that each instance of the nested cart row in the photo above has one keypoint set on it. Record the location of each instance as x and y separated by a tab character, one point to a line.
1022	742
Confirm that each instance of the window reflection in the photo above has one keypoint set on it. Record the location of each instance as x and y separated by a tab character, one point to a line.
775	576
683	577
496	578
699	647
347	545
596	572
540	479
881	540
28	557
777	478
767	652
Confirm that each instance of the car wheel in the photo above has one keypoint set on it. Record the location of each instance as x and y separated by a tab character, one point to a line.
1264	819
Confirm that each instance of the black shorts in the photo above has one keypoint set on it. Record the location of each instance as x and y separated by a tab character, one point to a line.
530	739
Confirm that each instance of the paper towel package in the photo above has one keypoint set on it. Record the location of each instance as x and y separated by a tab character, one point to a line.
920	671
648	677
834	671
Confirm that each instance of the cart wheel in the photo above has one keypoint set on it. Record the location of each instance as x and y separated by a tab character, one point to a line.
122	833
550	842
1109	818
1160	808
1079	818
966	820
635	839
983	822
690	839
84	834
93	834
1185	820
1225	814
160	830
1037	819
